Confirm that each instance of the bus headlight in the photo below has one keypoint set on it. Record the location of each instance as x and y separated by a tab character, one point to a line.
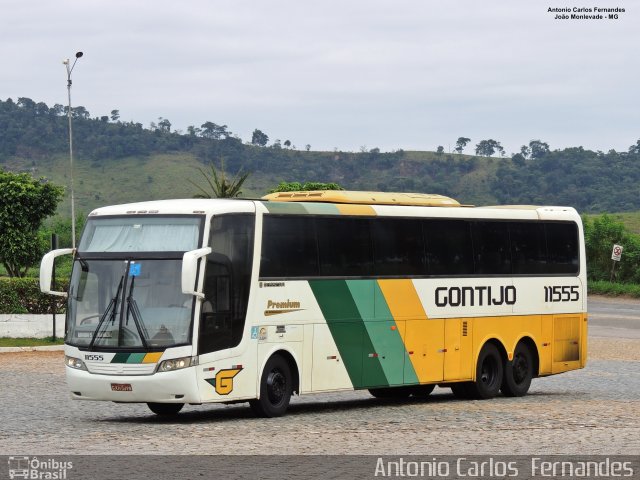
73	362
177	364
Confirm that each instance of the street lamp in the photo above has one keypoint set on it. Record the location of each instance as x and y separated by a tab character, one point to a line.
73	208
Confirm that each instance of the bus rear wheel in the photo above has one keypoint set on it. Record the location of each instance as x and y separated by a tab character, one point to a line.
165	408
276	388
489	374
518	372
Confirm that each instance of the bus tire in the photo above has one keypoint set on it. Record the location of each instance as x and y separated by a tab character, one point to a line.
165	408
518	372
489	373
276	387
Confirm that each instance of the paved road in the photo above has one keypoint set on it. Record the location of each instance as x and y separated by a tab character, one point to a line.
611	317
590	411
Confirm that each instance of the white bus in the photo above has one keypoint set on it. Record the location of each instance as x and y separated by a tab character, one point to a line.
197	301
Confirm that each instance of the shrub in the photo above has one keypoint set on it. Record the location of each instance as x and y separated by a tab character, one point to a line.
22	295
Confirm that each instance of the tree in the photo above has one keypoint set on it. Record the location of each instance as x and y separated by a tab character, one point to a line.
80	112
487	148
440	150
214	131
538	149
193	131
307	147
164	125
305	187
635	149
259	138
24	203
287	143
525	151
115	115
461	143
219	185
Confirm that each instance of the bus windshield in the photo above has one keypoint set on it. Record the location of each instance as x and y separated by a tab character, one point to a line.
125	290
128	304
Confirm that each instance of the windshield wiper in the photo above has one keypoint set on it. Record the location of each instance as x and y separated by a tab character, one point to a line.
111	309
132	307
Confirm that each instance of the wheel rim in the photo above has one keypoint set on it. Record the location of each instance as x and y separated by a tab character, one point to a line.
489	372
520	368
276	387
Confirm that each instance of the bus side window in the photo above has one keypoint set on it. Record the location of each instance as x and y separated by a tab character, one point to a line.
448	247
562	246
227	282
491	252
528	248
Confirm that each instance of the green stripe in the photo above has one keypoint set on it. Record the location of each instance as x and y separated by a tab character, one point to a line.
385	339
136	358
321	209
285	207
120	358
301	208
348	330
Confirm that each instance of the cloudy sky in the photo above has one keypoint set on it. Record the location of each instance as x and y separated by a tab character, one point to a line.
410	74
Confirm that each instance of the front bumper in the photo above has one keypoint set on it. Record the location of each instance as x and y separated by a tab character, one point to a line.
179	386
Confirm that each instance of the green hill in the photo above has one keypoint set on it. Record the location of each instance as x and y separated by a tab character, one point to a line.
118	162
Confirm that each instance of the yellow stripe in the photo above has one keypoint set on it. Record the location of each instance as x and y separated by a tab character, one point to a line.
422	338
402	299
345	209
152	357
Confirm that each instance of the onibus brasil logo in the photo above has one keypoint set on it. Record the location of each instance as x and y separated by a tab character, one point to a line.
35	468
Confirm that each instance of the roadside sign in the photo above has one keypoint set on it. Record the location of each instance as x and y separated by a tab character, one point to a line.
616	254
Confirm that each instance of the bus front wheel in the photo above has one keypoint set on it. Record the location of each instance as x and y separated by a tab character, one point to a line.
518	373
489	373
165	408
275	389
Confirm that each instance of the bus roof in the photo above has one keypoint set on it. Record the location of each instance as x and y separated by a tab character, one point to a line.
365	198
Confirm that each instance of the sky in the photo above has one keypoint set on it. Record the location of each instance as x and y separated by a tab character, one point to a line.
346	75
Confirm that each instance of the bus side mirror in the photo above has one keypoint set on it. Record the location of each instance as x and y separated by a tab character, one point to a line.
190	270
46	270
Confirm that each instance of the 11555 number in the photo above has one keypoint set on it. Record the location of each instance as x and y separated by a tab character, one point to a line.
560	293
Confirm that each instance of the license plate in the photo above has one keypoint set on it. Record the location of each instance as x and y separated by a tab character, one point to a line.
121	387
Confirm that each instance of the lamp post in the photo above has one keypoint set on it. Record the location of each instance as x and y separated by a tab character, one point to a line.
73	208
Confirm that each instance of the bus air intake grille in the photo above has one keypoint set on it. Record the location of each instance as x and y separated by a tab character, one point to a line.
121	368
464	329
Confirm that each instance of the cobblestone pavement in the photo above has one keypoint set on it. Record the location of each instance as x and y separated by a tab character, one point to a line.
594	410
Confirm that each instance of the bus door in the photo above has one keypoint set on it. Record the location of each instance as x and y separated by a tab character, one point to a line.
217	308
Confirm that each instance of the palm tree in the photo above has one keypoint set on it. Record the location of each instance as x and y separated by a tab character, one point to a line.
218	184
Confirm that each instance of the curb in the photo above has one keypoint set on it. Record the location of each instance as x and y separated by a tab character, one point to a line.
44	348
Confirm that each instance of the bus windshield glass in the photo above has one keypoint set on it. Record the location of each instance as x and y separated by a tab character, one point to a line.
140	234
125	290
135	304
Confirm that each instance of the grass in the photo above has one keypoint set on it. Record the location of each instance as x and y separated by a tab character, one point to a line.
29	342
603	287
631	220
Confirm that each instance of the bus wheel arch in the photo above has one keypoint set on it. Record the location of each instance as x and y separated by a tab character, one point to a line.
279	378
520	370
293	365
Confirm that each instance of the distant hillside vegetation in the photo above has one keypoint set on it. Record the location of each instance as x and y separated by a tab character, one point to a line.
123	161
